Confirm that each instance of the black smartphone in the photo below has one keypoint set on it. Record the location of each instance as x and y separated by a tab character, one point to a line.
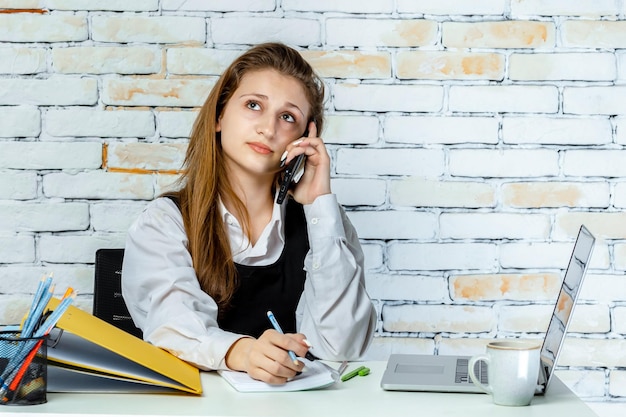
288	176
294	168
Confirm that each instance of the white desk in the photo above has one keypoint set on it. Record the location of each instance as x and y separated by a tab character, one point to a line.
358	397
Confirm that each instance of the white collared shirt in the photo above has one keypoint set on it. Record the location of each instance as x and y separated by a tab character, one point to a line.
269	245
165	300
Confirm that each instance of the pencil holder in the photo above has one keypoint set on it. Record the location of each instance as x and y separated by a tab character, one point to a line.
23	369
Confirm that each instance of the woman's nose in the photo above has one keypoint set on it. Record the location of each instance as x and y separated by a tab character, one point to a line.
267	126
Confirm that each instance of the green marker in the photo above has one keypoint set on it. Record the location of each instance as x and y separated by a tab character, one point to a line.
361	371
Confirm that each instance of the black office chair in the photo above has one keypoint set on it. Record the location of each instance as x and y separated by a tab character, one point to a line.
108	303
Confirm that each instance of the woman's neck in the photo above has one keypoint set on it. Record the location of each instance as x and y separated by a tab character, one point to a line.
256	196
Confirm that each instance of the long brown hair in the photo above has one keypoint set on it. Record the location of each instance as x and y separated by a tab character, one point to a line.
204	176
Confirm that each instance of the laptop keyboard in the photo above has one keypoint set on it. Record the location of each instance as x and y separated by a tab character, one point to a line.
461	375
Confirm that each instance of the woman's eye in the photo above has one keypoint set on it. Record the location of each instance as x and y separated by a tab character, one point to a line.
289	118
253	105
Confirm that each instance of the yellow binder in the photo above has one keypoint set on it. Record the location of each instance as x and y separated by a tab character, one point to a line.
87	354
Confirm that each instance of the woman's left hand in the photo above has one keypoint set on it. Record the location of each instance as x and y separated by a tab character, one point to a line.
316	178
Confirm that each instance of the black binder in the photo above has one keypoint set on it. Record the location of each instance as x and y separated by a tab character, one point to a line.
108	303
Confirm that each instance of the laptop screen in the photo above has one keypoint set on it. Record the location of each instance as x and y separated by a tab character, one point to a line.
572	282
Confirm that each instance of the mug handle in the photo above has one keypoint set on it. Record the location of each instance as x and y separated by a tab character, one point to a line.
473	377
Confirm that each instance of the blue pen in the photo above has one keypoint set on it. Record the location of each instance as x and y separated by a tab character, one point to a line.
274	322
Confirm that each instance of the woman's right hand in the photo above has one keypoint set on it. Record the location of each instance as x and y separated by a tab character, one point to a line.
267	358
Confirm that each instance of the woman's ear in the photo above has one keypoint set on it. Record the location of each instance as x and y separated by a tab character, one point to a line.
218	124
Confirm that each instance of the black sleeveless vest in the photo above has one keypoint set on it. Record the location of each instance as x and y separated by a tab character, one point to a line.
275	287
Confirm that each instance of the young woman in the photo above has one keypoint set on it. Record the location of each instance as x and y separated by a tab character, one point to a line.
203	265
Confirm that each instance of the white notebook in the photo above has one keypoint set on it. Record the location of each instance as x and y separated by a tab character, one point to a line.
316	375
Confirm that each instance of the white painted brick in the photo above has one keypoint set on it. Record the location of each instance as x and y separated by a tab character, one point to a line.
150	156
594	8
441	256
437	318
535	255
104	60
341	63
380	32
620	128
105	5
176	124
620	256
253	30
505	286
584	383
562	66
617	383
421	192
525	318
591	163
619	317
21	4
386	98
498	34
394	224
19	121
56	90
382	347
452	7
590	319
436	129
503	163
153	29
17	249
199	60
599	352
31	27
166	182
13	307
22	60
345	130
50	155
594	100
607	225
148	92
98	185
364	6
450	65
84	122
593	33
18	185
49	217
359	192
406	287
114	217
621	66
219	5
423	162
494	226
79	249
556	194
24	279
373	254
504	98
558	131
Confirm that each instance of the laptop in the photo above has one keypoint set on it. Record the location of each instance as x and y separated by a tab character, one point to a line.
449	373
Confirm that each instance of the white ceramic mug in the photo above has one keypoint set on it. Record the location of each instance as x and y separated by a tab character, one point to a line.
512	371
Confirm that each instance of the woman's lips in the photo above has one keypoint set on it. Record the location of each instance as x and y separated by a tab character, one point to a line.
260	148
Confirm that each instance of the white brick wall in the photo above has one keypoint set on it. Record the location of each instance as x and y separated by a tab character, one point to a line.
469	141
